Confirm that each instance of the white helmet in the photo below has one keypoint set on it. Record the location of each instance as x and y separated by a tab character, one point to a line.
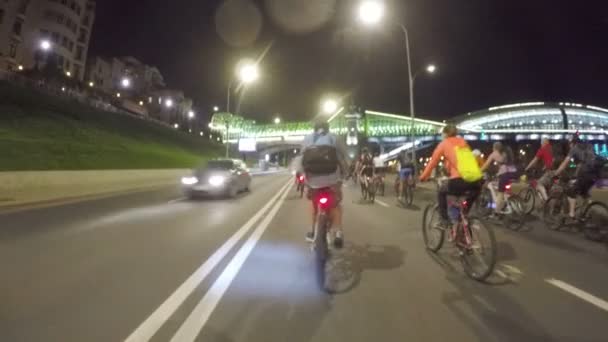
476	153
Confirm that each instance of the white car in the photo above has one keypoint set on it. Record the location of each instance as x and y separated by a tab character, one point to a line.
220	177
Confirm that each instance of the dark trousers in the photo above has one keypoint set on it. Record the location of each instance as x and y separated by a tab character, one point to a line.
457	187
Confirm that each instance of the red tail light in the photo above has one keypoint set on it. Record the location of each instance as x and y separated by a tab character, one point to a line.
323	200
301	178
508	187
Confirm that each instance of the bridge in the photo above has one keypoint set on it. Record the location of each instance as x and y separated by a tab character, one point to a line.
520	122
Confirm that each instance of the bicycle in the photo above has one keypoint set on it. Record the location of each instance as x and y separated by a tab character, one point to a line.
465	234
531	196
590	216
379	185
513	213
324	199
300	185
368	189
407	197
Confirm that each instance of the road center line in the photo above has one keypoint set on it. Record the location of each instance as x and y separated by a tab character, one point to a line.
197	319
382	203
156	320
589	298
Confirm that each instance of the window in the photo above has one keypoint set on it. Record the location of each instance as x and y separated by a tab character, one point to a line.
12	50
55	37
67	64
77	70
23	6
71	46
64	42
85	20
79	53
18	26
82	37
60	18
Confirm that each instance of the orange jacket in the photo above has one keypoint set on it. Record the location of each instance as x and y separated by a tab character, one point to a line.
446	149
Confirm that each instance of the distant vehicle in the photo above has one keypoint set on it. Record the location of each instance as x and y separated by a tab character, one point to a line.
220	177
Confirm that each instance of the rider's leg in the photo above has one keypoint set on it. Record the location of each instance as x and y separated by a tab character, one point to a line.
442	200
543	192
313	215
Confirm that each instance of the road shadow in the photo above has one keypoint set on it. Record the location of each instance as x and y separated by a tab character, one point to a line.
345	267
450	262
412	207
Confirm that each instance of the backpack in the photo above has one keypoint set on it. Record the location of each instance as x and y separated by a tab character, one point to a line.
467	165
320	159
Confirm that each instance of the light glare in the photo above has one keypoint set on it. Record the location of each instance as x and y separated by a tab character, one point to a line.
371	12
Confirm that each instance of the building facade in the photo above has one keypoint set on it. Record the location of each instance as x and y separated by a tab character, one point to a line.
36	32
108	75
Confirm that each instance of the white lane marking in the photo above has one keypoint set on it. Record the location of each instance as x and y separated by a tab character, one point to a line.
177	200
197	319
501	274
156	320
382	203
589	298
512	269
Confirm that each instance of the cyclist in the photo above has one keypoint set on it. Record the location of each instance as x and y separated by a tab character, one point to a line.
544	154
589	169
464	173
406	171
503	156
366	167
313	153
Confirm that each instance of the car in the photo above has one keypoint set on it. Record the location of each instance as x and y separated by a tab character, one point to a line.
219	177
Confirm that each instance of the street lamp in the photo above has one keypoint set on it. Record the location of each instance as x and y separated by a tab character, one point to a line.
68	74
216	109
371	12
277	121
125	82
247	73
91	84
45	45
330	106
191	115
169	103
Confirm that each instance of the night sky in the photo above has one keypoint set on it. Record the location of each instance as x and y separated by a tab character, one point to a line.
489	52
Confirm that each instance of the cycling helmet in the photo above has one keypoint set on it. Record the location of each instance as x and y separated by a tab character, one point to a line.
450	130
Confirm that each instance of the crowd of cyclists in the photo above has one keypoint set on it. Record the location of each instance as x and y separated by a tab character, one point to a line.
466	170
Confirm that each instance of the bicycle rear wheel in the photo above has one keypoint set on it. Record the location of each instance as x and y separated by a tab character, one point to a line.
516	219
528	200
478	257
321	249
555	212
432	233
484	203
595	221
372	192
409	194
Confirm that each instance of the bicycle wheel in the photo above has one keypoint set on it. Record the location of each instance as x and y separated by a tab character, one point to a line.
517	217
409	194
595	221
484	203
382	188
321	249
554	212
371	192
478	257
528	200
432	233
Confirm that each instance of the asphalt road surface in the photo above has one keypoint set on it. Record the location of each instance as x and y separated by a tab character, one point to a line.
154	267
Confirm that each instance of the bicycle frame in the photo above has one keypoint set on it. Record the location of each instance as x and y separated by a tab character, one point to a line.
493	187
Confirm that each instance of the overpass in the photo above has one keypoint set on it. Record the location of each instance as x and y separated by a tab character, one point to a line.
519	122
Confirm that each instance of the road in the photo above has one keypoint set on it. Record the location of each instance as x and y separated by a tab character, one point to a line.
154	267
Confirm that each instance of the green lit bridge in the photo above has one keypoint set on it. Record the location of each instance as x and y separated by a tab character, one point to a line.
392	132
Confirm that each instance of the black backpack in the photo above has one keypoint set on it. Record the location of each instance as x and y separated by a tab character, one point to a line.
320	159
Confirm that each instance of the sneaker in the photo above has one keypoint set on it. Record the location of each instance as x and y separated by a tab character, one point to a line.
338	240
310	237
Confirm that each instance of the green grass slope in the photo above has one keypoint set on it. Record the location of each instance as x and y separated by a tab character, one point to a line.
40	132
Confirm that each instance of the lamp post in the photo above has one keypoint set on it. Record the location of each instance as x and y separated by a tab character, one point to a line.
371	12
247	74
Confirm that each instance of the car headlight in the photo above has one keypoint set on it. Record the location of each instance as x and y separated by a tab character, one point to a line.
189	180
216	180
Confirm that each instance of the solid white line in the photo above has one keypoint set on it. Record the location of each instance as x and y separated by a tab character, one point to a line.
382	203
177	200
197	319
512	269
600	303
156	320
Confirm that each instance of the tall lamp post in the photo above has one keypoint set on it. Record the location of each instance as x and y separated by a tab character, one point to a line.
371	12
246	74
